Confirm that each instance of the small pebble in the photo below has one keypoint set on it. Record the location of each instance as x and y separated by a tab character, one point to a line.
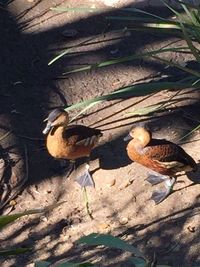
43	219
13	203
104	228
112	182
103	225
126	184
70	33
123	221
191	229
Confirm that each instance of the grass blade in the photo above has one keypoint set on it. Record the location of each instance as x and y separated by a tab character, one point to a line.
190	14
173	64
6	219
14	251
58	57
154	108
84	110
187	4
193	130
63	264
172	9
193	49
126	59
136	10
42	264
134	90
146	110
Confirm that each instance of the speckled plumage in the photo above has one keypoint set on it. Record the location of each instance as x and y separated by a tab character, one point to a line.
159	155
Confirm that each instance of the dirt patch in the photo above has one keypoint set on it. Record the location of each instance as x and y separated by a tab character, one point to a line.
120	202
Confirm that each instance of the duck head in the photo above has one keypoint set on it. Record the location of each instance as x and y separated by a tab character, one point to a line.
57	117
141	135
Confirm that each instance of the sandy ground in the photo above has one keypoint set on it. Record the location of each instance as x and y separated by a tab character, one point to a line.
120	202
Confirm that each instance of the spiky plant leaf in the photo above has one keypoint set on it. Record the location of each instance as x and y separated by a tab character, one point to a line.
6	219
14	251
109	241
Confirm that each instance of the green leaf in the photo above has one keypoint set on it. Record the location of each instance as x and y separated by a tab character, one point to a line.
170	8
189	14
128	58
192	131
84	110
109	241
64	264
58	57
173	64
132	9
188	4
138	262
70	264
144	20
193	49
42	264
135	90
146	110
14	251
6	219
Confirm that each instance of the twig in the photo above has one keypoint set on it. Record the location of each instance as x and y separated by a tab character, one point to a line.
5	135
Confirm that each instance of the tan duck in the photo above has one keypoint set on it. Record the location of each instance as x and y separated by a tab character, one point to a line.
161	156
70	142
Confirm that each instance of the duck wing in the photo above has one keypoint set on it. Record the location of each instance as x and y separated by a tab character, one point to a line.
168	153
81	135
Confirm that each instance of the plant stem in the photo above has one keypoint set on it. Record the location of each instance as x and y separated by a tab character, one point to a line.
87	203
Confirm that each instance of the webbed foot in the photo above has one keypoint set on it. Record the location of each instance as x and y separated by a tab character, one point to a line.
154	179
83	176
70	168
160	195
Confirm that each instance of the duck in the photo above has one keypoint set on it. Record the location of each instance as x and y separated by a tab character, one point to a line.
71	142
166	159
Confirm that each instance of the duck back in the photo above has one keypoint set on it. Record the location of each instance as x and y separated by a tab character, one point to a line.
161	156
72	142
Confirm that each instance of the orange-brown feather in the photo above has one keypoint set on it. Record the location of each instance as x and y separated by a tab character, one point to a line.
72	142
161	156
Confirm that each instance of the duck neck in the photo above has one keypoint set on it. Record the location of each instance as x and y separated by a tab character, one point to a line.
142	140
57	130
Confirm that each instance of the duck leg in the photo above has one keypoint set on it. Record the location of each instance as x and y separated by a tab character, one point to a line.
160	195
154	178
70	168
83	176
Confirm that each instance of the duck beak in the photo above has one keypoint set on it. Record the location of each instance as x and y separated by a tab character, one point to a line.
127	138
47	128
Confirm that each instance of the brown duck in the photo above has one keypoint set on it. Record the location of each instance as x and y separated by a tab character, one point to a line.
161	156
70	142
